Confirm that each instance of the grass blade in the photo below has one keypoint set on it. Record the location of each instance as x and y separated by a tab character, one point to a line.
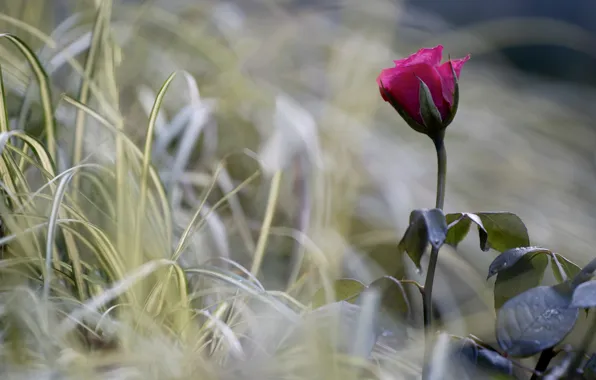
44	88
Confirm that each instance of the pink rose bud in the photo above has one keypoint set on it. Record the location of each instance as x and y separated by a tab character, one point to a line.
422	90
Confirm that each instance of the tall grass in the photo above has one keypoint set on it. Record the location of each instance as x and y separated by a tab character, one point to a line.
178	185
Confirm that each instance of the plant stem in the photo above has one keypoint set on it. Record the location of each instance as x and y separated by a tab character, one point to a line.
441	172
432	264
428	287
545	358
574	371
427	304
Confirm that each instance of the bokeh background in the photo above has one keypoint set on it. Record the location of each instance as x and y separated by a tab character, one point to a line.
291	85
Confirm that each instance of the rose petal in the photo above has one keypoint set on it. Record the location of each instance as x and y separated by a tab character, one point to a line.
429	56
404	87
447	76
382	87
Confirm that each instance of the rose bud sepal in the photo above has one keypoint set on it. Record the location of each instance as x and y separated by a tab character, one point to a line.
453	109
429	112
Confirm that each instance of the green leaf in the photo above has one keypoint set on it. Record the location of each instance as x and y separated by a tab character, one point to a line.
510	257
584	296
426	226
458	231
394	299
477	361
505	230
344	290
535	320
461	228
527	273
563	269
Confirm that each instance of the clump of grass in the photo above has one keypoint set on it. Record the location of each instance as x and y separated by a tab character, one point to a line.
92	276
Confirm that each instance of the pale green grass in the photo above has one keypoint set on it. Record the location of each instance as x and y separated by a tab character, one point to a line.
178	186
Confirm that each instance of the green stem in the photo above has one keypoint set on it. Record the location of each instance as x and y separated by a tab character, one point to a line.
545	357
434	254
575	368
428	288
442	171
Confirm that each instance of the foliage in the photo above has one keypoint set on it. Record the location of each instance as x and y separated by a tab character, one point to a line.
142	237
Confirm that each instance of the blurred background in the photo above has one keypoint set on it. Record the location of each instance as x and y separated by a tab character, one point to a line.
290	85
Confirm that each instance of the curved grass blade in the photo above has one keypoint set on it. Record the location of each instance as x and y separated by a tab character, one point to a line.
161	194
71	247
5	173
50	42
44	88
147	161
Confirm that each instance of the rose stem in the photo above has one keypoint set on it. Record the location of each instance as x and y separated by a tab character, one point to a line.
434	254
